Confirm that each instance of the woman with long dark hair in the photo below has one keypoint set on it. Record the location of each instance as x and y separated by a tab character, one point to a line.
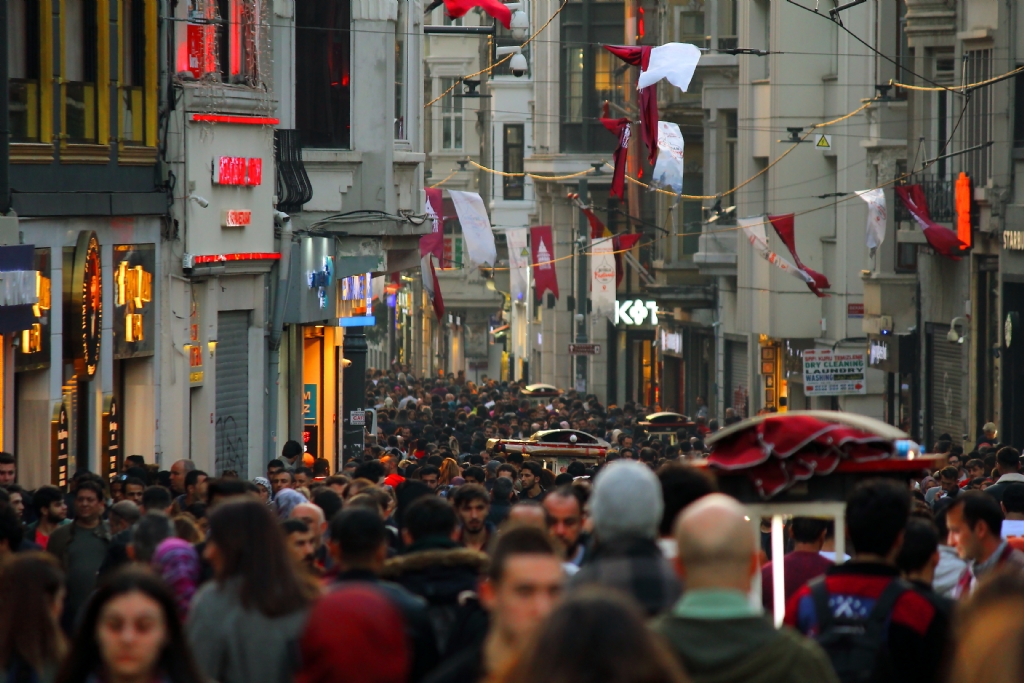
130	633
31	598
596	637
244	626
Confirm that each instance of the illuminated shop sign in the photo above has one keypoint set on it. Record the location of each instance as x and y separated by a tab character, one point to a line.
636	312
84	314
235	218
672	342
321	279
134	319
34	347
246	172
355	301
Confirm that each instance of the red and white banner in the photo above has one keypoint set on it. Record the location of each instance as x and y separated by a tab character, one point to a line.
668	171
542	252
431	246
435	207
476	228
495	8
602	277
876	216
518	263
621	242
620	129
941	239
753	228
647	98
785	229
674	62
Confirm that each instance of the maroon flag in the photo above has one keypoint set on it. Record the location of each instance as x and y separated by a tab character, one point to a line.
784	228
542	253
457	8
620	129
621	242
941	239
647	98
435	207
432	245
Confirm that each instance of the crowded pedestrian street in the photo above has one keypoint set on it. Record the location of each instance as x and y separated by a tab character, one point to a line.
511	341
456	548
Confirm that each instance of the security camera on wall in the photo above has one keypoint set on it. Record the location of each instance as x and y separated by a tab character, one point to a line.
518	64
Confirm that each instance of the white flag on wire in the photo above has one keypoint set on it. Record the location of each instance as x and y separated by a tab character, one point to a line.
602	277
518	262
476	228
753	228
673	61
876	216
668	169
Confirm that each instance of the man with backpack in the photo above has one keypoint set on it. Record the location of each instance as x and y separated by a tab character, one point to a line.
872	624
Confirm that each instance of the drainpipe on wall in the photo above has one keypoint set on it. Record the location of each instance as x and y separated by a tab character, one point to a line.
276	330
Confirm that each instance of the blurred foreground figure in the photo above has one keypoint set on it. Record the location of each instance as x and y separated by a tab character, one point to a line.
989	633
355	634
130	631
597	636
31	598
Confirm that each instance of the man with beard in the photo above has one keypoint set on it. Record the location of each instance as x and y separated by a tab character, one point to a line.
472	505
564	511
53	512
300	543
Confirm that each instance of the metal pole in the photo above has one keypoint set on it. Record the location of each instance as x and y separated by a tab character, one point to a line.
353	394
582	290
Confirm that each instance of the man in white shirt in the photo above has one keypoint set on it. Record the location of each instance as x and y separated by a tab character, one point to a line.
1013	509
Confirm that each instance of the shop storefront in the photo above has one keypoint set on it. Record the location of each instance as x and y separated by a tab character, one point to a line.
896	355
84	371
688	367
313	348
19	305
634	369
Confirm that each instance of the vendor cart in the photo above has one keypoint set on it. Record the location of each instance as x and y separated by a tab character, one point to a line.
806	463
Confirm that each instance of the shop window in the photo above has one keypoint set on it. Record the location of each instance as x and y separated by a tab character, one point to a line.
401	72
451	116
1018	111
23	63
690	24
977	128
590	73
81	71
237	41
133	72
512	159
323	83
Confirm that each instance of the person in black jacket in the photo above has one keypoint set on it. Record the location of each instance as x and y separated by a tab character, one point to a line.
432	565
359	547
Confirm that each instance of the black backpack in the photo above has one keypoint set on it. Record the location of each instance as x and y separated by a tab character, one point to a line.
857	646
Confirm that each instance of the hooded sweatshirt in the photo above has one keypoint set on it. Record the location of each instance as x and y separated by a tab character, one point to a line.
720	639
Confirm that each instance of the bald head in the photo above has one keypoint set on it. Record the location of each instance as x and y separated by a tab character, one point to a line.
313	516
528	514
716	544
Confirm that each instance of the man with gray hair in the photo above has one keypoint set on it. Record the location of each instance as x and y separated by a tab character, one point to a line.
718	634
152	529
625	508
122	515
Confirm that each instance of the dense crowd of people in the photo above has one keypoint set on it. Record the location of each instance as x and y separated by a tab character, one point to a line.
433	559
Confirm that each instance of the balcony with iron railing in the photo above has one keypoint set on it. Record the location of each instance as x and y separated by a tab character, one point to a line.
938	193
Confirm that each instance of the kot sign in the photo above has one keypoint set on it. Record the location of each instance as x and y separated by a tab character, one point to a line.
827	373
636	312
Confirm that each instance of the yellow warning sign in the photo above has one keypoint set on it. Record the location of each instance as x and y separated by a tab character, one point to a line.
823	142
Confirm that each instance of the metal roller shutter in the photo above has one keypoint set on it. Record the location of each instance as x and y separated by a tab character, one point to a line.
739	389
232	450
945	387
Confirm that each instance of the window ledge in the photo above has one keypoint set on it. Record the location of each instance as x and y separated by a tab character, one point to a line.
136	155
408	157
331	156
31	153
226	98
84	154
